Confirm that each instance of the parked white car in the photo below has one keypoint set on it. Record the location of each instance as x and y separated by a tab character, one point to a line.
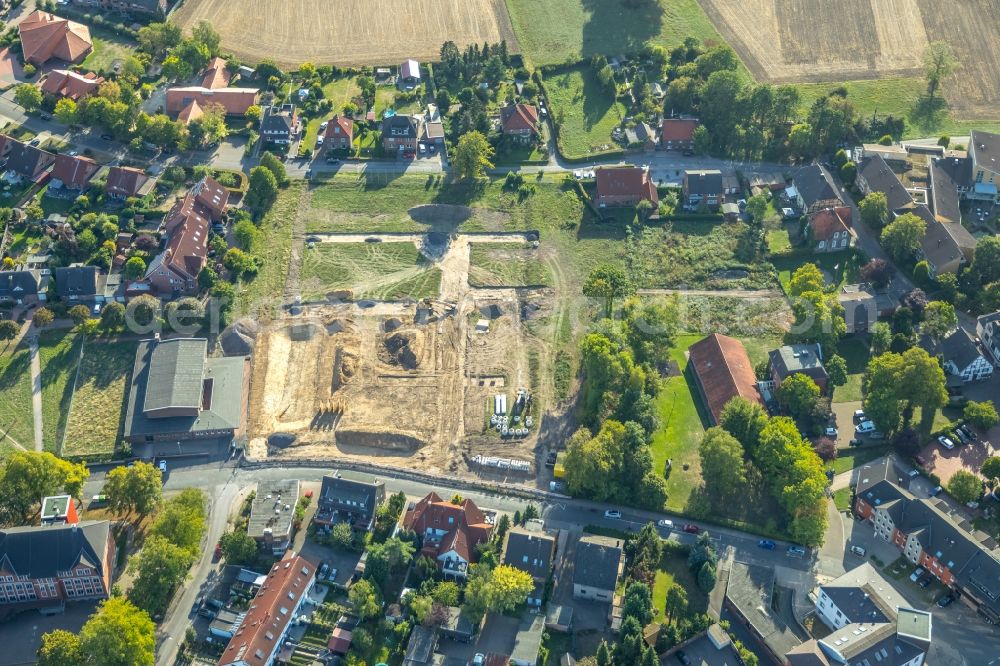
865	426
946	443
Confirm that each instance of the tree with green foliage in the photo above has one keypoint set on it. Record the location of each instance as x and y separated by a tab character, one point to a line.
204	33
965	486
744	420
881	338
209	128
756	207
112	316
901	238
986	260
676	603
238	547
471	157
702	551
341	536
982	415
9	329
806	278
133	489
603	656
262	191
722	466
508	588
446	592
797	394
66	111
638	603
42	317
272	163
991	471
60	648
706	576
896	384
819	318
207	277
939	320
79	314
158	569
836	368
608	282
28	476
939	63
135	268
157	38
29	96
363	597
118	634
241	264
848	172
181	520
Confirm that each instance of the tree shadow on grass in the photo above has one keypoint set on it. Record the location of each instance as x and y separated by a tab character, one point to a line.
620	26
928	113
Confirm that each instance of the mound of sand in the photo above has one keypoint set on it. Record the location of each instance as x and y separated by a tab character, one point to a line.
239	338
402	348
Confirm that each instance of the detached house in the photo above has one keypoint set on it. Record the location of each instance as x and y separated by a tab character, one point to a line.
533	553
21	287
704	187
722	371
961	357
125	182
216	75
449	532
813	189
798	359
946	246
350	501
520	121
45	37
25	162
625	186
874	175
400	134
678	133
72	173
339	134
409	74
45	567
272	515
988	331
280	124
829	229
188	103
79	284
71	85
598	565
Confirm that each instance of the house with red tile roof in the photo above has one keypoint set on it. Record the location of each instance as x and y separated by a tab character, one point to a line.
261	633
678	133
339	134
73	173
216	75
830	230
449	532
45	37
235	101
625	186
722	371
520	121
71	85
125	182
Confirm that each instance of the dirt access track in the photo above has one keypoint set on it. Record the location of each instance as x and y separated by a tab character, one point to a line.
376	32
409	383
793	41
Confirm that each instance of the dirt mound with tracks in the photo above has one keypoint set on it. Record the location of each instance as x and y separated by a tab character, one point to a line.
403	348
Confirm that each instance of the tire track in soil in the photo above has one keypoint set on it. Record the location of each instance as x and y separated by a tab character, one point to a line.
292	285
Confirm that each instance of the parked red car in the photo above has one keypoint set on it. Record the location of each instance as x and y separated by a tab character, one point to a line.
217	555
691	528
920	460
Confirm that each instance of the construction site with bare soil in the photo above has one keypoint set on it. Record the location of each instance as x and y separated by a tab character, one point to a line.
440	384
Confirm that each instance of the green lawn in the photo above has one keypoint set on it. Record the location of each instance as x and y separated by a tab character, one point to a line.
851	391
839	267
554	31
895	97
15	397
105	53
374	270
674	570
99	401
584	111
58	352
341	91
842	499
267	287
506	265
857	457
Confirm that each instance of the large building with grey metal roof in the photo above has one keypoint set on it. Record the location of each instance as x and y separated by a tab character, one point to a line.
178	393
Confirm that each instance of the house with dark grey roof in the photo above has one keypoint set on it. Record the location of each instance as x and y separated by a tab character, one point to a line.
400	134
598	565
960	356
178	394
712	647
805	359
984	152
79	284
988	332
532	552
930	535
947	246
45	567
26	162
420	648
949	180
874	175
350	501
704	187
749	594
813	189
279	124
21	287
272	514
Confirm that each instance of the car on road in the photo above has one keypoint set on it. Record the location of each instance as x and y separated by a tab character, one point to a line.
45	116
107	137
858	550
478	659
35	141
946	600
217	553
795	551
333	160
831	431
913	472
557	486
98	501
614	514
73	153
691	528
925	581
935	491
945	442
323	125
373	239
550	460
665	523
766	544
683	658
859	415
163	466
207	613
865	427
915	576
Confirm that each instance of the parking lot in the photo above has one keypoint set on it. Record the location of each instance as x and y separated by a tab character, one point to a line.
970	457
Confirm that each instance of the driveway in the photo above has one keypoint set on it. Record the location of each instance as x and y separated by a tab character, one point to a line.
22	635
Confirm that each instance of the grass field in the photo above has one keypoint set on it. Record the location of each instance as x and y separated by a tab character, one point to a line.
555	31
584	111
854	349
99	401
15	398
105	53
383	271
373	33
58	352
842	499
506	265
857	457
674	570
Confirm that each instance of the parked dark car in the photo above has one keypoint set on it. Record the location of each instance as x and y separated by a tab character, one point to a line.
855	442
683	658
550	460
925	581
691	528
107	137
766	544
946	600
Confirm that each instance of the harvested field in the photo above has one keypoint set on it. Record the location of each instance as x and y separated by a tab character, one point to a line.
372	33
793	41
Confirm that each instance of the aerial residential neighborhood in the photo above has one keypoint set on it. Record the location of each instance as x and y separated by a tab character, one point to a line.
492	332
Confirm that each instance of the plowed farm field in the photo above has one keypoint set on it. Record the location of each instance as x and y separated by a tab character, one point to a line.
377	32
795	41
